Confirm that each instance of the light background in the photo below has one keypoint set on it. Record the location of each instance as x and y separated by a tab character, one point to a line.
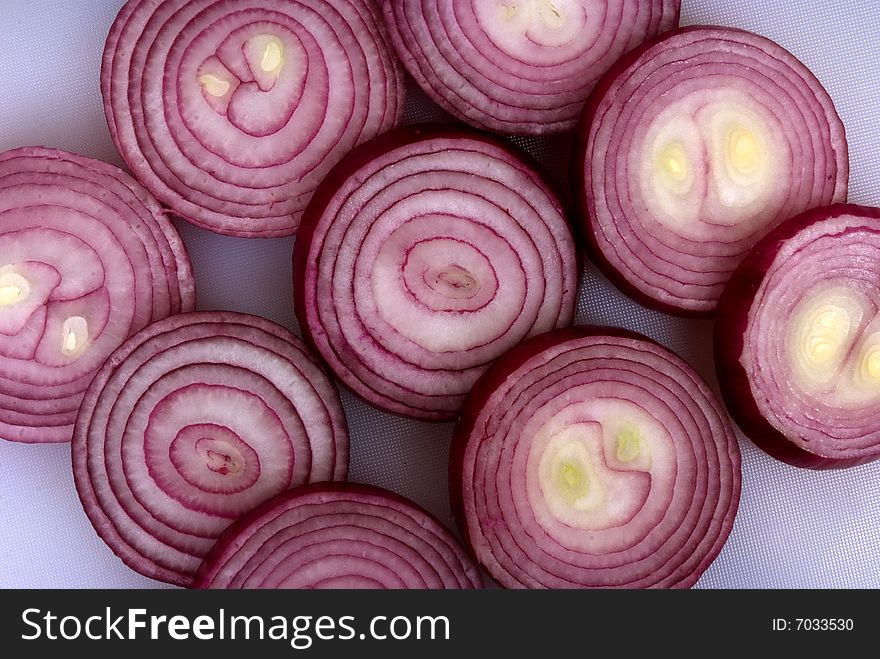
795	528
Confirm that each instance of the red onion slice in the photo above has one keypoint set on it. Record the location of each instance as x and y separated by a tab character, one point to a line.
87	258
334	535
424	256
694	147
193	422
519	66
587	459
797	342
232	112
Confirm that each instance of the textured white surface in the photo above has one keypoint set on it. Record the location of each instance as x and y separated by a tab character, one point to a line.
795	528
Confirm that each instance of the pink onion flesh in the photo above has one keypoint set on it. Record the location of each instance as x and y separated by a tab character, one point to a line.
232	112
594	460
798	339
87	258
519	66
193	422
426	255
692	149
338	536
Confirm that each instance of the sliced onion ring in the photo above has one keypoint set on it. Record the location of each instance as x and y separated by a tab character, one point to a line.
232	112
334	535
519	66
425	255
690	150
193	422
797	342
591	457
87	258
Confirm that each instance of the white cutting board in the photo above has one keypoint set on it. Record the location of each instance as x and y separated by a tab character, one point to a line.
794	529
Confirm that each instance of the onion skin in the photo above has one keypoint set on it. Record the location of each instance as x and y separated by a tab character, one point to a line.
561	262
729	343
482	407
93	259
191	423
450	566
613	252
480	62
231	113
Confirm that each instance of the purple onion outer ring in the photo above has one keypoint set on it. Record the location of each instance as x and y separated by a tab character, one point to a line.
373	525
587	225
721	457
560	261
55	205
774	436
494	89
256	180
194	421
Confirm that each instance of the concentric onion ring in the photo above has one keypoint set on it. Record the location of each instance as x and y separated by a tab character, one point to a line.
422	258
587	459
87	258
519	66
193	422
797	342
334	535
232	112
692	149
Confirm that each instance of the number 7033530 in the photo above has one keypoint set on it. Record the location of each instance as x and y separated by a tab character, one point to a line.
813	624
